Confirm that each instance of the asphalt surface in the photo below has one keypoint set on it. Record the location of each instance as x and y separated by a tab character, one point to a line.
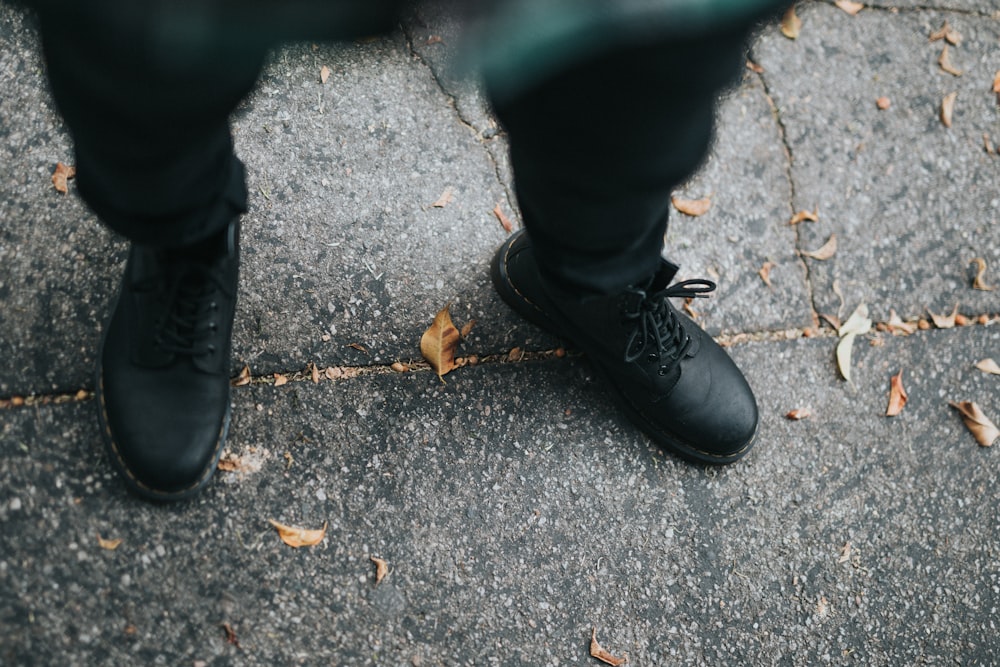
516	509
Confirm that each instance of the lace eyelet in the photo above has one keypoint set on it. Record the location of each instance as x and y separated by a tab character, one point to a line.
653	356
662	370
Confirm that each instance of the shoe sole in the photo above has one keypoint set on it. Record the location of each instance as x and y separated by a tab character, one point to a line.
133	483
524	307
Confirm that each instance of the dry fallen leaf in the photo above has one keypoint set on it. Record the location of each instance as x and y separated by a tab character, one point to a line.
515	354
230	635
897	395
754	67
812	216
791	24
62	174
381	569
798	414
434	39
845	553
987	144
299	537
243	378
978	282
985	431
848	6
948	108
945	62
898	326
324	74
692	207
280	379
947	33
883	103
467	328
110	545
765	273
445	198
439	342
996	86
944	321
399	367
597	651
314	372
857	324
230	463
988	366
826	251
505	222
844	350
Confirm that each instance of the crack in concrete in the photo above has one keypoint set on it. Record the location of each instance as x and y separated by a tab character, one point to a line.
789	165
486	143
978	13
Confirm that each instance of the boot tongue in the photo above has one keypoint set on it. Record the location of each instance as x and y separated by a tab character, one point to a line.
663	277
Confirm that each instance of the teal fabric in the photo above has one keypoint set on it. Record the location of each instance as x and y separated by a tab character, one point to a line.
519	42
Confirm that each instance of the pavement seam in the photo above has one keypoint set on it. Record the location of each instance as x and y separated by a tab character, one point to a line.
889	9
514	356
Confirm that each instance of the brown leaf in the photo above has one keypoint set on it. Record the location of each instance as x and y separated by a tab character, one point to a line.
848	6
399	367
381	569
230	463
978	282
434	39
299	537
467	328
944	321
948	108
996	86
988	366
597	651
504	220
230	634
897	395
243	378
826	251
515	354
898	326
359	347
446	197
314	373
985	431
692	207
110	545
987	144
883	103
280	379
945	62
798	414
324	74
754	67
62	174
439	342
791	24
812	216
947	33
765	272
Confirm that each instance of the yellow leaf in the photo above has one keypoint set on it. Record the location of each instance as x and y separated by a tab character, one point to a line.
848	6
692	207
791	24
62	174
812	216
978	282
948	108
299	537
110	545
597	651
984	431
945	63
988	366
897	395
439	342
825	252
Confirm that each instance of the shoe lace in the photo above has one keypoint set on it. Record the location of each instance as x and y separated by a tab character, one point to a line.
657	323
190	321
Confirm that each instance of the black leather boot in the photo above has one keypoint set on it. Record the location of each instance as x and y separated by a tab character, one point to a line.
671	378
163	368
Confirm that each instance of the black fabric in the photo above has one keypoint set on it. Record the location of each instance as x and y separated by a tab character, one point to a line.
146	88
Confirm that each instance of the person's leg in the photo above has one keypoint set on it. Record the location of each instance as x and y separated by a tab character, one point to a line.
596	152
146	95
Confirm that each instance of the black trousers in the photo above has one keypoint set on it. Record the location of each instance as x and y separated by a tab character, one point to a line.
596	149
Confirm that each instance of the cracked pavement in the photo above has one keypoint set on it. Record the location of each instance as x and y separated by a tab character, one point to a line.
516	521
